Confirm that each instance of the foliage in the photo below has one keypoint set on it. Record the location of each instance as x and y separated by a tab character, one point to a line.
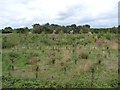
55	28
9	41
65	60
7	30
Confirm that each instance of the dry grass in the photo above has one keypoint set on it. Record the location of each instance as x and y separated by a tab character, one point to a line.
84	66
33	61
114	45
66	54
88	66
99	43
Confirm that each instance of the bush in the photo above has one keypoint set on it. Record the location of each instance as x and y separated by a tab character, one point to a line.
13	54
108	36
9	41
83	55
7	30
8	44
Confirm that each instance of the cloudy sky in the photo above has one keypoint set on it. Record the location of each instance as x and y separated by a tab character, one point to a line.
21	13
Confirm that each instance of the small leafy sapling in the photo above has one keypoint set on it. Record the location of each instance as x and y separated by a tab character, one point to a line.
65	69
76	61
73	45
99	62
53	38
83	55
89	52
43	51
107	48
36	70
53	61
73	50
12	62
62	64
85	44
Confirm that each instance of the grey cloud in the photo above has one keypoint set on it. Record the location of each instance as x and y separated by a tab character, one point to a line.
105	16
70	12
79	10
77	14
119	13
23	1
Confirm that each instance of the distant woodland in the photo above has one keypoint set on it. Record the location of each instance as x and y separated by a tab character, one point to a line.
55	28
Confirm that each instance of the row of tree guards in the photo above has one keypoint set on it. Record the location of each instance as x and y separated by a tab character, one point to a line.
37	68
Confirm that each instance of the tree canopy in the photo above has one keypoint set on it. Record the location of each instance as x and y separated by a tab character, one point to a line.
55	28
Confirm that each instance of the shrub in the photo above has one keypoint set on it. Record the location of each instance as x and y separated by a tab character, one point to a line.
83	55
9	41
108	36
7	30
8	44
13	54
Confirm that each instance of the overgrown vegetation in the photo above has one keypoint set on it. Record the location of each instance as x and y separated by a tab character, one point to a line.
60	59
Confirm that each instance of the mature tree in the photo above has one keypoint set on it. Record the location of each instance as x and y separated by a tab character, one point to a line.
47	28
37	28
56	28
114	30
47	24
7	30
22	30
73	25
87	26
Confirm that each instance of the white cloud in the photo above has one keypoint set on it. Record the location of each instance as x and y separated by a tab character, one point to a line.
17	13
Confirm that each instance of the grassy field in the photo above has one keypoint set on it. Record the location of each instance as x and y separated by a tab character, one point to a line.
60	60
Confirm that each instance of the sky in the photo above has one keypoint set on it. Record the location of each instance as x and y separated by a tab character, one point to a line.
25	13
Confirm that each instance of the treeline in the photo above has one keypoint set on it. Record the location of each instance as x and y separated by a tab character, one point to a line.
55	28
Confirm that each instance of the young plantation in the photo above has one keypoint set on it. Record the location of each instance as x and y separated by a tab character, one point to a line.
34	60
